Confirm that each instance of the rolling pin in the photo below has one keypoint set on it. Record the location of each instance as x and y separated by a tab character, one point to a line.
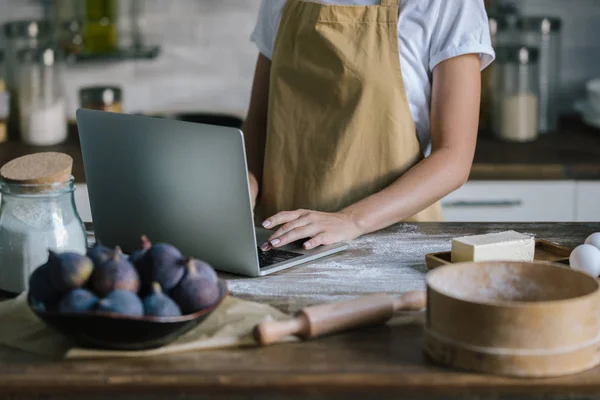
320	320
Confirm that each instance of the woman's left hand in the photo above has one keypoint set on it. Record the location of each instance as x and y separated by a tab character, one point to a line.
321	229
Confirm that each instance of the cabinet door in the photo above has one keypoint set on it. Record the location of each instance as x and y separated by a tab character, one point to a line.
512	201
588	201
82	202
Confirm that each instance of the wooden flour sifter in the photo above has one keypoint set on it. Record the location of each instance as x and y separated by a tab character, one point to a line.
526	320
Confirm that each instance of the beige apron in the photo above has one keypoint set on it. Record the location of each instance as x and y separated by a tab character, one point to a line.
339	124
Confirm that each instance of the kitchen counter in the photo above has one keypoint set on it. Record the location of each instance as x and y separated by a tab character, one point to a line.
571	154
378	362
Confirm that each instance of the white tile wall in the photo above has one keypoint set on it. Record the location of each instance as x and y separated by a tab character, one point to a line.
208	60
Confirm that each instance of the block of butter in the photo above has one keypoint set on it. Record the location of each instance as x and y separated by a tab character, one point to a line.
502	246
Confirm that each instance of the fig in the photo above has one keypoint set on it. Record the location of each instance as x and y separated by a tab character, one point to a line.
115	274
122	302
198	289
136	257
40	288
78	301
99	254
69	270
158	304
162	263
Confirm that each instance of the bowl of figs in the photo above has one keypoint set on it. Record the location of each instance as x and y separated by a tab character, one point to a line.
109	300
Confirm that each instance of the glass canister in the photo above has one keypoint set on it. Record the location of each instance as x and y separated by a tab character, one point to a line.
498	32
20	35
36	218
4	102
42	101
103	98
516	98
545	34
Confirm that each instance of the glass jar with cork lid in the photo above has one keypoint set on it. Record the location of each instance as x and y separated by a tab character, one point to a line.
515	112
37	214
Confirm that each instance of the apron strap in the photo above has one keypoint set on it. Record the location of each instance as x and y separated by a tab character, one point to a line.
390	3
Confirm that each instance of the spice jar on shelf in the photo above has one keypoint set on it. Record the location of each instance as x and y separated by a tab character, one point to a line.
516	98
20	35
545	34
42	102
103	98
38	214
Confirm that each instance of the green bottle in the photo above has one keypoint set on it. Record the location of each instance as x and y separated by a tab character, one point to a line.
100	34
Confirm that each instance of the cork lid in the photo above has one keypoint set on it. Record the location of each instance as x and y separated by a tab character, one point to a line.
38	169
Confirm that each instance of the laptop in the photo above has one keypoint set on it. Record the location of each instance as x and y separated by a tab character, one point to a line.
181	183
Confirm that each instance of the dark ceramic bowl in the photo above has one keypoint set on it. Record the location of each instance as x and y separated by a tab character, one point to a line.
120	332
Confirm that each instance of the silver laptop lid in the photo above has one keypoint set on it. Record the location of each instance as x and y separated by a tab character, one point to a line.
176	182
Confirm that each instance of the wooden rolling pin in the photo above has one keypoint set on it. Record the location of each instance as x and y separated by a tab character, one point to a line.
324	319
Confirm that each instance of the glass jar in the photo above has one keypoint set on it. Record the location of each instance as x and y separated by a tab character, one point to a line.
103	98
516	97
42	103
33	220
498	30
545	34
20	35
130	24
4	102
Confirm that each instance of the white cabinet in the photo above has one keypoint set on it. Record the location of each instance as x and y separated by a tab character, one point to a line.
588	202
512	201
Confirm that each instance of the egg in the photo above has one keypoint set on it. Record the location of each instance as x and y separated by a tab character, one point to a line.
594	240
586	258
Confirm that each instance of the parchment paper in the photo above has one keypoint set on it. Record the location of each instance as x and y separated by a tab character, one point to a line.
230	325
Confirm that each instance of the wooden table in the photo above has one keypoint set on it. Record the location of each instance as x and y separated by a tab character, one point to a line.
378	362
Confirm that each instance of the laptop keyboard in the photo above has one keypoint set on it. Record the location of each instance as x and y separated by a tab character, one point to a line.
274	256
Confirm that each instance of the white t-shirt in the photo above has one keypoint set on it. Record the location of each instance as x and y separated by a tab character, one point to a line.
429	32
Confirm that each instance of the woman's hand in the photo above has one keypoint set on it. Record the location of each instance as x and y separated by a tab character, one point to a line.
320	228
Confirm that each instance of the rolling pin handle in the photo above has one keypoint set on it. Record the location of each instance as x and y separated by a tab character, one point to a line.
269	332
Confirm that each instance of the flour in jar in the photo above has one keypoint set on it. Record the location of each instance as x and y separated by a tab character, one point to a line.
27	232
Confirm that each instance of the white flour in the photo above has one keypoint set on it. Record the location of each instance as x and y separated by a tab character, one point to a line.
387	263
27	231
44	125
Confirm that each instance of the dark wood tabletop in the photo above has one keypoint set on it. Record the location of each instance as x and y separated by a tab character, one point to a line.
372	363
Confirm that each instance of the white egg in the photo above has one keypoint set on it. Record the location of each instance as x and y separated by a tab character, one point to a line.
594	240
586	258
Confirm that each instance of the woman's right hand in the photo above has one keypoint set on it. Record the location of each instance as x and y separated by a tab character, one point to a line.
253	188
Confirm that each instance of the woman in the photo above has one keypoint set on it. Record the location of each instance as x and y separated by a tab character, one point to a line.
364	113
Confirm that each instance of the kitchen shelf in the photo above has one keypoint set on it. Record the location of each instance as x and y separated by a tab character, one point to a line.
133	53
